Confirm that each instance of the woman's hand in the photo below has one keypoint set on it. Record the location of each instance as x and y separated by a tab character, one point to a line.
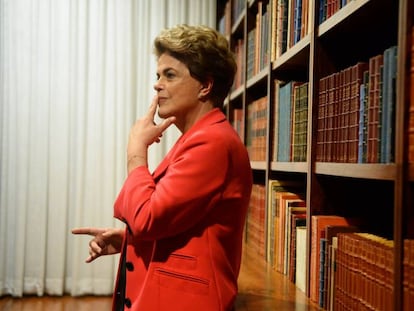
106	241
144	133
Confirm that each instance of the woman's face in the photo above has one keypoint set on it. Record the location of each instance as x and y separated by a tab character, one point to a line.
178	91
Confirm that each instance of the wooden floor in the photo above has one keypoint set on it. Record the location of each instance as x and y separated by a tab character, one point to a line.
260	289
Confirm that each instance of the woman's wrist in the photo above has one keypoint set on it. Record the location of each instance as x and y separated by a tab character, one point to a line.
135	161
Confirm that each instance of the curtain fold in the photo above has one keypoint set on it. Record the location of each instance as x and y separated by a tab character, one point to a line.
74	76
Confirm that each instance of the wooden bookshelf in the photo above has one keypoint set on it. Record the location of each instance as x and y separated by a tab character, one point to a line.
320	45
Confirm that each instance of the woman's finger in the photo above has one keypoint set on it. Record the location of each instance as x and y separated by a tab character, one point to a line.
153	107
96	247
87	231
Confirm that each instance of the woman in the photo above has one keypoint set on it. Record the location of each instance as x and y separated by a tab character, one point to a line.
181	249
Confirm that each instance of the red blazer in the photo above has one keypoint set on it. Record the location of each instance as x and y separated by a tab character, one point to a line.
185	222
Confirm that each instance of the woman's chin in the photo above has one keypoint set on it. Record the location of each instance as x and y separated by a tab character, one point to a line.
163	114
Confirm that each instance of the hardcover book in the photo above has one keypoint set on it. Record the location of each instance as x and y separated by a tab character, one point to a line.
300	275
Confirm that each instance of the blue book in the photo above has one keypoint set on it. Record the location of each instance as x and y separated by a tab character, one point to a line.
322	285
297	21
362	129
284	122
322	11
285	21
388	105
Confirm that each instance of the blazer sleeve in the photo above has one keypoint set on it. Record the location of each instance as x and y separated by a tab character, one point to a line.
189	189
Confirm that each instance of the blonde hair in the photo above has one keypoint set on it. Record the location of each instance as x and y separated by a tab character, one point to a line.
205	52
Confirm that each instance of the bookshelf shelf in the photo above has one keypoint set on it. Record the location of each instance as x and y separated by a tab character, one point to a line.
368	171
258	165
258	78
297	167
237	93
295	57
335	76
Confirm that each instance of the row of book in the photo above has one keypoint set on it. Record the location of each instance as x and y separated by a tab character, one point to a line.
258	42
354	270
349	270
356	112
257	129
286	213
224	23
364	272
239	77
290	122
255	229
290	130
290	23
265	225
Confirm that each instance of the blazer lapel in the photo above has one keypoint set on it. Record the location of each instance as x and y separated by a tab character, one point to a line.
213	117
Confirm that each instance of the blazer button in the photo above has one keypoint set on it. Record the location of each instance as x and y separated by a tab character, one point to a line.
129	266
128	303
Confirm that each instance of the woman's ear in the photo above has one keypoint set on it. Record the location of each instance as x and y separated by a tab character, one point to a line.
205	89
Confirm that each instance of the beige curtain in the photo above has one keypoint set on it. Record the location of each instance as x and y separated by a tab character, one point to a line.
74	74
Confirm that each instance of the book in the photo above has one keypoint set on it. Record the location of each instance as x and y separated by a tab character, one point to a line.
357	92
332	264
297	220
292	207
362	126
330	128
322	245
300	275
300	123
275	129
374	99
388	105
284	122
321	131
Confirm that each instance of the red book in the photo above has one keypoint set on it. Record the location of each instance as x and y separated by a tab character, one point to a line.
322	120
330	119
357	72
374	100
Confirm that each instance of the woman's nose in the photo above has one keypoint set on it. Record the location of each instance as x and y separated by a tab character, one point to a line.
157	86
